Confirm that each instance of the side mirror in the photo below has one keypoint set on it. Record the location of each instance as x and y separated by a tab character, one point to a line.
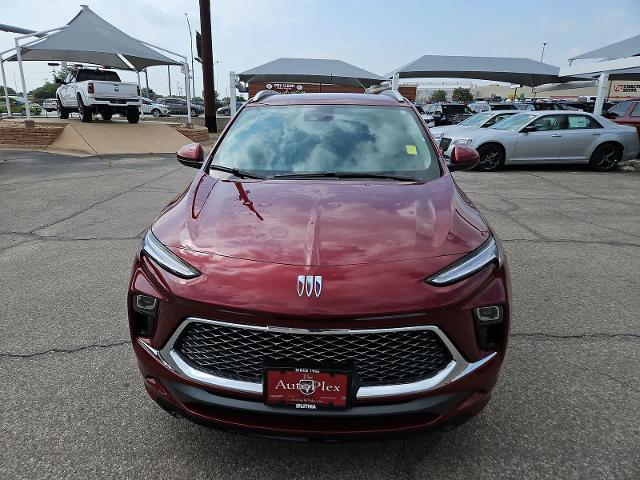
529	129
191	155
463	158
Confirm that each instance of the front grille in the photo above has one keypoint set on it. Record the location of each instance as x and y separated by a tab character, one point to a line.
380	358
444	143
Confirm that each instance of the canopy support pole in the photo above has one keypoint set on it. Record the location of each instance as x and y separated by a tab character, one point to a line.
140	90
146	81
232	93
187	90
601	92
185	69
395	81
4	84
27	107
19	58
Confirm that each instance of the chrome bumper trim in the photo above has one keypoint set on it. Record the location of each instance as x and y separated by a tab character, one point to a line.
455	370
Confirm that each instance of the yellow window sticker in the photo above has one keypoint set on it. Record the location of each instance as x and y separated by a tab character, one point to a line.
411	149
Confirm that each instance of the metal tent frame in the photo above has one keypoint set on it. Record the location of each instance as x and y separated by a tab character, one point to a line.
43	35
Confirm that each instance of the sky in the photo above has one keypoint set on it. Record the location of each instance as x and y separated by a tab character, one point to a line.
374	34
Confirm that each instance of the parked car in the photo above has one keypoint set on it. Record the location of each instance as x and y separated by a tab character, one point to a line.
549	137
478	107
178	106
91	91
536	106
446	114
585	106
17	106
150	107
50	104
626	113
261	301
226	110
479	120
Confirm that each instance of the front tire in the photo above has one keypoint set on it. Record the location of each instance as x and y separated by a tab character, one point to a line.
133	115
606	157
85	113
492	157
106	115
155	112
63	113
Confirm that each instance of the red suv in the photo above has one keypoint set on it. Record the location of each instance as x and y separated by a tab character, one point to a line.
322	277
626	113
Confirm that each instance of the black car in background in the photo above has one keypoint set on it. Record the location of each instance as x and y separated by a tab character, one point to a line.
178	106
448	113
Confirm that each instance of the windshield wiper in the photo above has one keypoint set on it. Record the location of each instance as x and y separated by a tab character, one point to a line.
237	172
400	178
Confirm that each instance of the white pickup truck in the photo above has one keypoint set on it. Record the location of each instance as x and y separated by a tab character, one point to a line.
88	91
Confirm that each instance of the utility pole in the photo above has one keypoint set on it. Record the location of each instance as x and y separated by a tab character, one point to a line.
207	67
193	72
543	47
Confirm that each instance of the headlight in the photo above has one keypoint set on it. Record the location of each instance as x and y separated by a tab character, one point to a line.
154	249
462	141
487	253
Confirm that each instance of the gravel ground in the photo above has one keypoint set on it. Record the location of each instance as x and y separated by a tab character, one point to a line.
73	405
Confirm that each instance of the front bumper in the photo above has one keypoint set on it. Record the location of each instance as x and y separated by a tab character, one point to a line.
457	392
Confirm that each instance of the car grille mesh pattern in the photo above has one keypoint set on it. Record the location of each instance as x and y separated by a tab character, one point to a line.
384	358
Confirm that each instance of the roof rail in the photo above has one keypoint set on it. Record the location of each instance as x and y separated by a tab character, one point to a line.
393	94
262	94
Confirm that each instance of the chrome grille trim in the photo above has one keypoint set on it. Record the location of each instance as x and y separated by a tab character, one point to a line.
457	367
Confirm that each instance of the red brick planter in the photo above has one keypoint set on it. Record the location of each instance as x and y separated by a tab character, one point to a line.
42	135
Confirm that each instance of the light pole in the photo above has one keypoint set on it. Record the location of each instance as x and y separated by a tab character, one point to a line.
193	74
543	47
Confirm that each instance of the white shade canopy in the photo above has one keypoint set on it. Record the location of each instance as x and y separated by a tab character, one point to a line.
522	71
624	48
89	38
311	70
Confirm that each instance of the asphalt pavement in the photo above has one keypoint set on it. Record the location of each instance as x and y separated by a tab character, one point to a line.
72	404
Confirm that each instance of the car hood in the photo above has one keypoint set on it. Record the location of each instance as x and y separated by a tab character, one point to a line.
322	222
451	129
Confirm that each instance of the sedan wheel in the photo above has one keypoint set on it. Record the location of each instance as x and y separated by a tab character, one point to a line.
491	158
606	157
155	112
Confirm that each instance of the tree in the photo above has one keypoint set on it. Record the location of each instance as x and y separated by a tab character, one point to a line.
439	96
48	90
10	91
461	95
150	94
61	74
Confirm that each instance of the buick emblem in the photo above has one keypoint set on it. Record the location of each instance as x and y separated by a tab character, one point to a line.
309	284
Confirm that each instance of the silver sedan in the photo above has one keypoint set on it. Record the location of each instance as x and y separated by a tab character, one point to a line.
549	137
479	120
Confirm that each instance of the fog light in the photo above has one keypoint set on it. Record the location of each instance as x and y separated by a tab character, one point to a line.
491	314
145	304
145	314
489	326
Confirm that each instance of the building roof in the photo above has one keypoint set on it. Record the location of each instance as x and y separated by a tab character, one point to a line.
522	71
89	38
311	70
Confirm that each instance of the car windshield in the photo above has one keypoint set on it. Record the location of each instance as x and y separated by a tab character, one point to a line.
308	139
514	122
104	75
477	119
